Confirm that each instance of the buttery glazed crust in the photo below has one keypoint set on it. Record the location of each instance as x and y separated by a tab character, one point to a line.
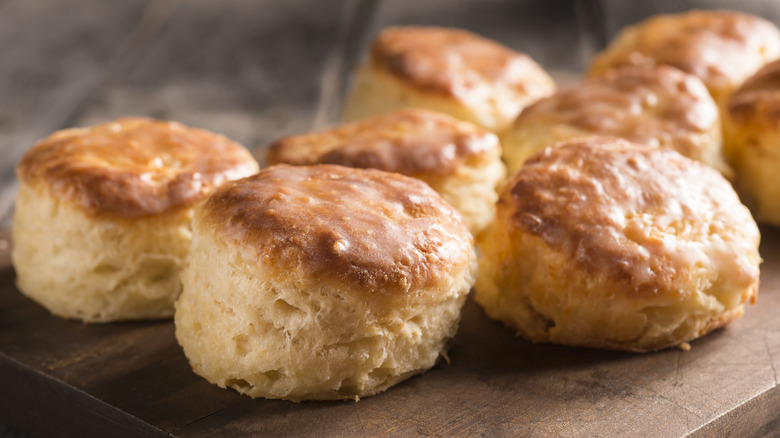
587	197
134	167
365	229
658	107
722	48
410	142
457	64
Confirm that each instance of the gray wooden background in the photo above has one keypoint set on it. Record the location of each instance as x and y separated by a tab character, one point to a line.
253	70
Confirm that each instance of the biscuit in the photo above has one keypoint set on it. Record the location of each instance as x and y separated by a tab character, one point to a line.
660	106
722	48
753	142
101	227
599	242
333	282
447	70
457	159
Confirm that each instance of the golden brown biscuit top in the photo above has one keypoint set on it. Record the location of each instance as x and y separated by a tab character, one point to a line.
661	106
758	99
722	48
134	167
641	214
457	63
410	142
378	231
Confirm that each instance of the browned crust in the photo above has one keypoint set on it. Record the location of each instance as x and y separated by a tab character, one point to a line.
455	62
411	142
608	205
658	106
757	101
722	48
134	167
365	229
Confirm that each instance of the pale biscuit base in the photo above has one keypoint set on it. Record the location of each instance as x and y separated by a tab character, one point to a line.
757	163
377	92
472	191
753	142
97	269
269	337
547	301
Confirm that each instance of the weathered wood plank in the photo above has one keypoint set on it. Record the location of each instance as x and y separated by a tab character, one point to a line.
253	71
54	54
45	416
342	62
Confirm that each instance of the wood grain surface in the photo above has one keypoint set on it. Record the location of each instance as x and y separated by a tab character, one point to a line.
255	70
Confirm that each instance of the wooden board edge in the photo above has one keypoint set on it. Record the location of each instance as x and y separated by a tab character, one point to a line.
61	412
757	417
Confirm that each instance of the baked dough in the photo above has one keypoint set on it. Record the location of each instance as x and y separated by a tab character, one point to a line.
753	142
599	242
448	70
101	227
457	159
660	106
722	48
332	282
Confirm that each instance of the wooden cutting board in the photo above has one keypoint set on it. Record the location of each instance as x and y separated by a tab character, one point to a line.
132	379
